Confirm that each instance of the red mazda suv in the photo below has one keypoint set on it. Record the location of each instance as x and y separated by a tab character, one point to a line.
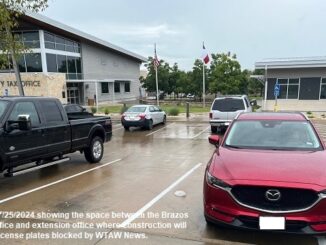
267	173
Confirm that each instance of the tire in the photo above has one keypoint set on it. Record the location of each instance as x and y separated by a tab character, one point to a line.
164	120
94	152
126	128
214	129
150	124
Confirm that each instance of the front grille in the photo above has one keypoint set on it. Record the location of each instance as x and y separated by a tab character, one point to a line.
290	225
291	198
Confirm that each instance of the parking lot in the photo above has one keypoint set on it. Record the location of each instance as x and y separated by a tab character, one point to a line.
140	173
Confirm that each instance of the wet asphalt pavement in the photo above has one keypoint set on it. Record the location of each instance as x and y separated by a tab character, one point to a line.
140	172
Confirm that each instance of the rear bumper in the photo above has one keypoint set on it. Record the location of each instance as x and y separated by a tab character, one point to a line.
108	136
219	123
139	123
221	208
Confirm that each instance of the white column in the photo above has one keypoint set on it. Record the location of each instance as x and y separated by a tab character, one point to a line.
43	54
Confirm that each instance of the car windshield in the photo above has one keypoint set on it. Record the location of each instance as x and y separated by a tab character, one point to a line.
228	104
273	135
137	109
3	106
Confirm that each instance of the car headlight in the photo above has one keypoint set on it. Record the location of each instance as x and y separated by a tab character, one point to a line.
216	182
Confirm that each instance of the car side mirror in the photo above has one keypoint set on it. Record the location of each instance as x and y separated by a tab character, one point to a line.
84	109
214	140
24	122
253	102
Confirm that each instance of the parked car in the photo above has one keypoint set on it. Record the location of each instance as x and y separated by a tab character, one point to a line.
190	96
37	129
267	173
225	109
145	116
75	111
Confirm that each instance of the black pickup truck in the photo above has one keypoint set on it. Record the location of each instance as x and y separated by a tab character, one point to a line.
37	129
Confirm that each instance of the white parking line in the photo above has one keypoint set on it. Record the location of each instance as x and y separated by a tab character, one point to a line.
200	133
159	130
321	240
56	182
158	197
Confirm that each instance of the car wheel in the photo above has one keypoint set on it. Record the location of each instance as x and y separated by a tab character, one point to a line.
164	120
94	152
126	128
150	124
214	129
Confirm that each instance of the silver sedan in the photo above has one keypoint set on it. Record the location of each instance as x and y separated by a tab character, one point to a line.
145	116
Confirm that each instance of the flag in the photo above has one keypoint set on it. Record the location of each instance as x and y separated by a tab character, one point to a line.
155	61
205	55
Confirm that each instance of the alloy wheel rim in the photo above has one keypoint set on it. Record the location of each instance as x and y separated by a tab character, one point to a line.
97	149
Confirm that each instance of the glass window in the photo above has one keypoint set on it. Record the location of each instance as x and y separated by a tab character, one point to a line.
78	65
289	88
71	64
323	89
117	87
31	39
49	45
283	91
137	109
293	92
62	63
51	111
21	63
51	60
49	37
273	135
26	108
33	62
228	104
127	87
105	88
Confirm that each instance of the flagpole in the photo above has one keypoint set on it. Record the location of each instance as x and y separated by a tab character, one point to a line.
204	104
156	77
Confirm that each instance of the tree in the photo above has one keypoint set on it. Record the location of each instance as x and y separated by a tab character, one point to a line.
149	83
196	85
255	86
10	46
225	75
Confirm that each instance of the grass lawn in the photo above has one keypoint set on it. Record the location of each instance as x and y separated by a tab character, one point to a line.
182	108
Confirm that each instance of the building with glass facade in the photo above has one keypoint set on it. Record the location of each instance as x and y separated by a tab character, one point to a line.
302	83
95	70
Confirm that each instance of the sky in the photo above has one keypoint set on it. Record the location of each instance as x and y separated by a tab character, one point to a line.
252	29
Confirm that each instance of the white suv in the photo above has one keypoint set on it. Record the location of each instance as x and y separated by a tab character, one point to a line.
225	109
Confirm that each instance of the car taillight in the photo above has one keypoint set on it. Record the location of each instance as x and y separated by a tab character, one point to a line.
108	122
142	115
210	115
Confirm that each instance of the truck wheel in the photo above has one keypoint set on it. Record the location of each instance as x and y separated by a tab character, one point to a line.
214	129
94	152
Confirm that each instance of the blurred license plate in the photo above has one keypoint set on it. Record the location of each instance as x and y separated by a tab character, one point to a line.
272	223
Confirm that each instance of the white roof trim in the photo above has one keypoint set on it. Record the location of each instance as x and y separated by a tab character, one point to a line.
299	62
84	35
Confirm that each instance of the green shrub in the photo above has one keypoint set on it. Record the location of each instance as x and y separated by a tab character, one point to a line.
174	111
106	111
323	115
309	113
93	109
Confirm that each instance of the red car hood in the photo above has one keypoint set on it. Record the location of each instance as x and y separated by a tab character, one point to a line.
239	166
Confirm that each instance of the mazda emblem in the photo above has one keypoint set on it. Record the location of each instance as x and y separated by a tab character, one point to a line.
273	195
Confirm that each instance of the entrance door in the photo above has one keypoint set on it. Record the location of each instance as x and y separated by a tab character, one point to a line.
73	95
